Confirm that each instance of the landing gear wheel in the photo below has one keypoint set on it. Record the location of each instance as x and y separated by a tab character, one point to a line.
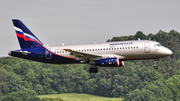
93	70
155	67
154	62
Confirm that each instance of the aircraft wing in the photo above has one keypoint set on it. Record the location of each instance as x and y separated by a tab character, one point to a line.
83	56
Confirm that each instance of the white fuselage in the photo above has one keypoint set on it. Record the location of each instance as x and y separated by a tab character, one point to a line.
124	50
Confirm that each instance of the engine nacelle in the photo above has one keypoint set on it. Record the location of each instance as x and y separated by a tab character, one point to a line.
109	62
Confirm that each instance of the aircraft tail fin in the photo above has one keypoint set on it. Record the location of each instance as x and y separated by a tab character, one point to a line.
26	38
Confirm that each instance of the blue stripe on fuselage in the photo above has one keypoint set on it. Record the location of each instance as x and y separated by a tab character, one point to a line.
38	54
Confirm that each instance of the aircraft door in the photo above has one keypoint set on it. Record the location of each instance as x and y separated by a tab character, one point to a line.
48	54
146	47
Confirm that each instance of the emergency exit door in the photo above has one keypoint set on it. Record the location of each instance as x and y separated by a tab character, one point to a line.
146	47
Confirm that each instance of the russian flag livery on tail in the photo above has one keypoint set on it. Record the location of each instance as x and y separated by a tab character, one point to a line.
110	54
33	49
26	38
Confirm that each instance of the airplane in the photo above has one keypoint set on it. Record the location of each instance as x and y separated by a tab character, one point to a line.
108	54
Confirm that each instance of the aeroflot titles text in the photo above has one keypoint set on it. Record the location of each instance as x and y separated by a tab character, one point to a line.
115	44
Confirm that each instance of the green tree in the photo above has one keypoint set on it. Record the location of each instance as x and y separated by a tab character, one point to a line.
23	95
140	95
140	35
104	87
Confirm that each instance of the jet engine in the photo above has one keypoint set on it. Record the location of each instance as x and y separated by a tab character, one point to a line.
109	62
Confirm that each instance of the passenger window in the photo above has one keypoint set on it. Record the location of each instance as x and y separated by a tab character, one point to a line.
92	49
95	49
128	47
137	47
54	51
106	48
103	48
85	50
117	48
114	48
109	48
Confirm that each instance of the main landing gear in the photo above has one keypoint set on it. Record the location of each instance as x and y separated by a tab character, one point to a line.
93	69
154	62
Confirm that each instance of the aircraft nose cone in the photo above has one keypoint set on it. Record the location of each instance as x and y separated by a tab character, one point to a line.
169	52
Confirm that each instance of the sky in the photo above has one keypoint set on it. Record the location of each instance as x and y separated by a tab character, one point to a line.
85	21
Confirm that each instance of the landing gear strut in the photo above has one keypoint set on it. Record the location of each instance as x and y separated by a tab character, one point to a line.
93	69
154	62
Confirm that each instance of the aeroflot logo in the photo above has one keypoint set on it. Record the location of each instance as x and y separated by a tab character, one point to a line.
116	44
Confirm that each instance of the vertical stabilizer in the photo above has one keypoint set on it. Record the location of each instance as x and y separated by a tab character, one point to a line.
26	38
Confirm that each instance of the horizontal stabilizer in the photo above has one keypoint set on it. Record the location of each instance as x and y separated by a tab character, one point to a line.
23	52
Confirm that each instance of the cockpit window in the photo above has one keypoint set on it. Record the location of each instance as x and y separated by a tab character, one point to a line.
158	45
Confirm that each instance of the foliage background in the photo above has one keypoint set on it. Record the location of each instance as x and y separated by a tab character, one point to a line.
22	80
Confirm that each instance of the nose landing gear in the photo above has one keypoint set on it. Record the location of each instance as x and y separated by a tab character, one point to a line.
154	62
